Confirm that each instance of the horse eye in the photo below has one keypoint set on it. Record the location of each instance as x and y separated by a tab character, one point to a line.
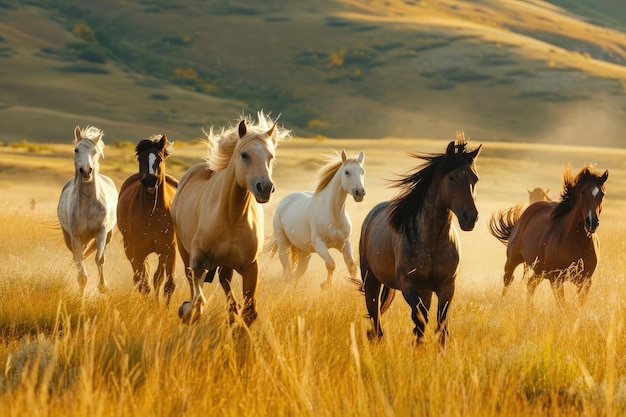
75	150
451	178
244	155
347	173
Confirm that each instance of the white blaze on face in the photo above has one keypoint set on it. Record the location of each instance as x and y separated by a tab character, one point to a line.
595	191
152	158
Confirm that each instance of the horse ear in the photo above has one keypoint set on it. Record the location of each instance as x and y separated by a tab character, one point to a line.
343	155
605	176
77	133
450	149
529	192
361	157
474	154
242	128
271	131
163	141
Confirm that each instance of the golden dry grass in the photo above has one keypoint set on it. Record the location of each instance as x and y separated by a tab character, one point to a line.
307	354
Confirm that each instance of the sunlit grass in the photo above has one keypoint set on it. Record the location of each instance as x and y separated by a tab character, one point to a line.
308	355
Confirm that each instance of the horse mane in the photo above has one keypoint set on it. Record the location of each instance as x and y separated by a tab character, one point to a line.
94	135
221	146
413	187
151	143
571	184
328	171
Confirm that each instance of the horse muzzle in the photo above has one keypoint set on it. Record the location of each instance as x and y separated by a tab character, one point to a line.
85	173
151	183
358	194
263	190
591	223
467	221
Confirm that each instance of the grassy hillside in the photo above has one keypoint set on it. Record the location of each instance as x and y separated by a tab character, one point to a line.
514	71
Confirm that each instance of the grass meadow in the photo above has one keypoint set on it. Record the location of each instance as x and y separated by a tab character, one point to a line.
307	354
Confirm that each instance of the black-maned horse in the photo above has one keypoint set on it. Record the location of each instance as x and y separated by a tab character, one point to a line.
143	216
410	243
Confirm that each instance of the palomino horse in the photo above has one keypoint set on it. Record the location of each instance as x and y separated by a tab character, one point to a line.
307	222
410	244
556	240
538	194
218	215
143	216
87	206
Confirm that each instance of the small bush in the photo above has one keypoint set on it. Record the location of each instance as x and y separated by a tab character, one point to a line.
84	68
158	96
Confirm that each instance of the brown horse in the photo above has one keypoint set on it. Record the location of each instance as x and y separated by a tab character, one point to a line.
410	243
556	240
218	215
143	216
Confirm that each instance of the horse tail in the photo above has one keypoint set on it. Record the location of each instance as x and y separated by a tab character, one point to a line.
501	223
386	297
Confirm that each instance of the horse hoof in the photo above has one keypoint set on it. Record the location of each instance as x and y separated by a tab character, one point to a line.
249	317
184	311
373	336
325	285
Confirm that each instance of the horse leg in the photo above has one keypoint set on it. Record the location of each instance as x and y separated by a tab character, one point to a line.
509	268
159	274
250	276
170	265
79	261
303	262
226	275
140	278
346	251
101	239
532	284
322	250
444	297
556	282
284	252
372	289
190	311
419	301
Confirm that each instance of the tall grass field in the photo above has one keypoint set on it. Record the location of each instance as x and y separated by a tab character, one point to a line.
126	354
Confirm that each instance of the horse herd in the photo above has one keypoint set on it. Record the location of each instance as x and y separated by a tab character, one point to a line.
213	217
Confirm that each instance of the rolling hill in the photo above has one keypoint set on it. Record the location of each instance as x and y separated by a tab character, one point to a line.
524	71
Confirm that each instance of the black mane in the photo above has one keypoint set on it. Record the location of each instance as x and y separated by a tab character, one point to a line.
413	187
154	143
570	189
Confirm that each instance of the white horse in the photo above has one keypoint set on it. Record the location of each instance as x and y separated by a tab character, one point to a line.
307	222
87	207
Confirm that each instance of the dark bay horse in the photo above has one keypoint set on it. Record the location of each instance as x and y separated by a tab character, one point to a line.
144	219
555	239
410	244
218	213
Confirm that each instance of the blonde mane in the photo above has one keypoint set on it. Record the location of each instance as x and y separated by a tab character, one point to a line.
328	171
222	145
94	135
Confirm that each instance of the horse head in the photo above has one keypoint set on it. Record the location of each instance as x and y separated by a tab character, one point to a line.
591	195
151	155
352	173
87	151
254	155
459	186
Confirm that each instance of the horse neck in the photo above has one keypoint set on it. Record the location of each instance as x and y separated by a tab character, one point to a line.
434	217
334	195
87	189
235	200
575	223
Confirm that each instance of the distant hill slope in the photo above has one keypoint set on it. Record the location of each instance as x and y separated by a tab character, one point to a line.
514	71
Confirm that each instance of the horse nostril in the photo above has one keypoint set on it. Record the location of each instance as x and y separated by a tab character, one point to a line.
259	187
273	189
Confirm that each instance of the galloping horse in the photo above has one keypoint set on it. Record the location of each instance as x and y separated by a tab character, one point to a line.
538	194
218	215
307	222
87	206
556	240
410	244
144	219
